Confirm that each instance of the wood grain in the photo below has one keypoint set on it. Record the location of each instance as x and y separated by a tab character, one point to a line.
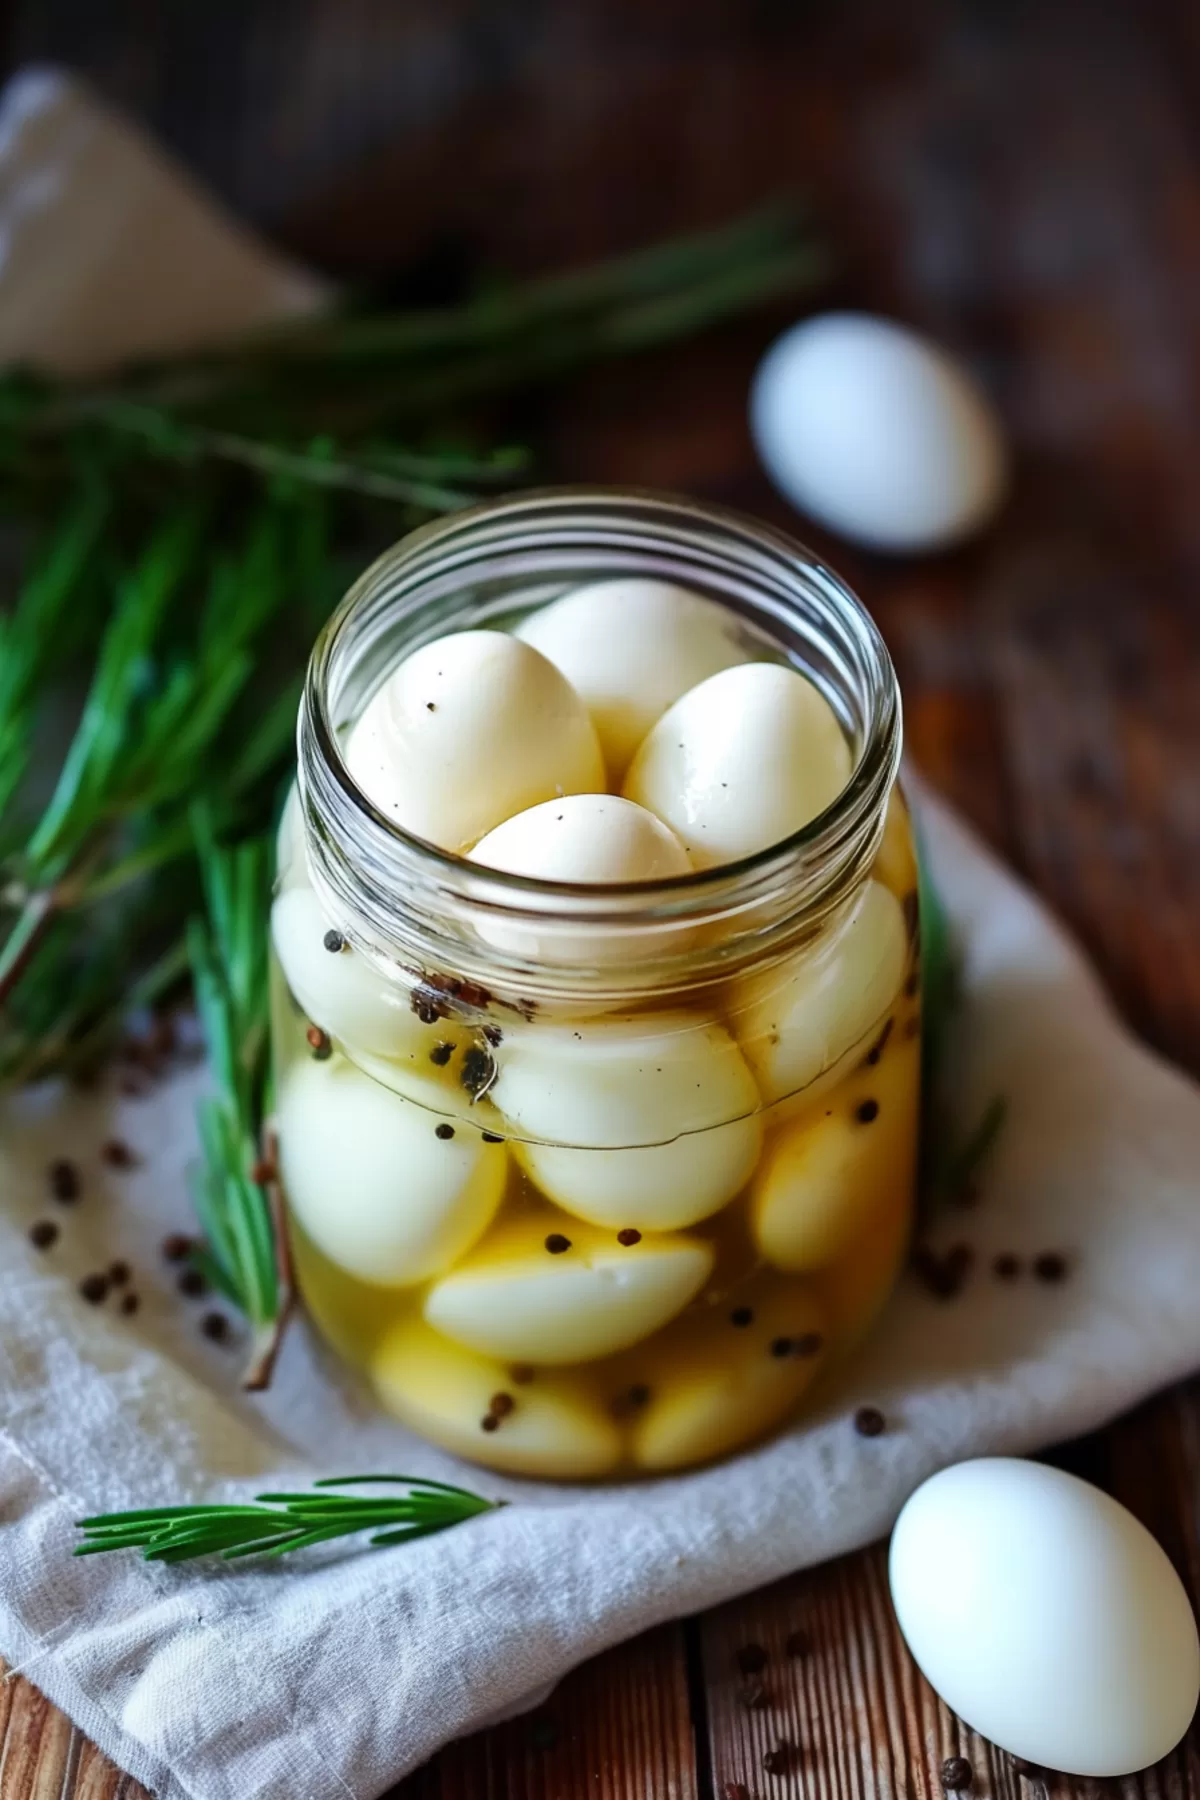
1022	180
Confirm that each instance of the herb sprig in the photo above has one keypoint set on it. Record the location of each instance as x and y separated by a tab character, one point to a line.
278	1523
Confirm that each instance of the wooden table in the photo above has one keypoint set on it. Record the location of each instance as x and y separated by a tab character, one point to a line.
1022	179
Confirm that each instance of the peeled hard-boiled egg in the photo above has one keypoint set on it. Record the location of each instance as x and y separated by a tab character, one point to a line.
796	1021
877	433
1046	1615
817	1188
741	762
722	1376
553	1425
385	1189
645	1122
469	730
630	648
544	1289
591	839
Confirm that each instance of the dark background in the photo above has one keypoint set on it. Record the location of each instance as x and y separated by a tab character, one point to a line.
1020	179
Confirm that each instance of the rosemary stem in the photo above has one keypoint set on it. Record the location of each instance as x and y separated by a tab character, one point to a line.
30	928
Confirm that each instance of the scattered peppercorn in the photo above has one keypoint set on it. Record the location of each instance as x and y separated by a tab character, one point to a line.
742	1316
781	1346
629	1236
444	1131
118	1273
176	1245
957	1774
877	1048
129	1304
778	1760
798	1643
333	941
869	1422
64	1180
489	1422
942	1276
441	1054
118	1155
734	1790
911	908
867	1111
94	1288
319	1043
491	1137
912	985
215	1325
43	1233
478	1071
501	1405
810	1343
1050	1267
751	1659
192	1283
639	1394
556	1243
493	1034
521	1373
1006	1266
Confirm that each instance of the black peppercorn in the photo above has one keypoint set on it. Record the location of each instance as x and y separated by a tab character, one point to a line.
957	1775
64	1180
781	1346
1006	1266
629	1236
333	941
491	1137
867	1111
118	1273
176	1245
798	1643
869	1422
810	1343
500	1405
441	1054
117	1154
129	1304
94	1288
43	1234
1050	1267
192	1283
751	1659
742	1316
319	1043
556	1243
215	1325
444	1131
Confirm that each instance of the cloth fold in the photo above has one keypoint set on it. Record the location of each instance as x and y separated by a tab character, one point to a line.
334	1674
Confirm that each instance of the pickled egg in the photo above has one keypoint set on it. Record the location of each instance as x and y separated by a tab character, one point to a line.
1046	1616
877	433
591	839
720	1377
553	1425
796	1021
469	730
741	762
647	1122
820	1179
544	1289
630	648
384	1188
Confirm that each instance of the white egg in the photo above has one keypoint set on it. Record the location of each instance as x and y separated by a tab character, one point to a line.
818	1187
1046	1615
469	730
718	1378
590	839
647	1122
342	991
521	1294
797	1021
557	1427
630	648
376	1188
741	762
877	433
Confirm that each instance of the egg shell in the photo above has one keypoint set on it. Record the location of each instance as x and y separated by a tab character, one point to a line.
652	1121
878	434
557	1427
741	762
374	1186
469	730
715	1385
818	1183
511	1297
344	992
588	839
796	1022
630	648
1046	1616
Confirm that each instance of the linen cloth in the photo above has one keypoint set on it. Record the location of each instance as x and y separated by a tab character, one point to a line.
333	1674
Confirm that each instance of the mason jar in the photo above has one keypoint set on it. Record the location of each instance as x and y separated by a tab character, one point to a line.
596	1179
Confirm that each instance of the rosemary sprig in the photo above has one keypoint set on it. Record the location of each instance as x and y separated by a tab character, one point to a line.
278	1523
235	1190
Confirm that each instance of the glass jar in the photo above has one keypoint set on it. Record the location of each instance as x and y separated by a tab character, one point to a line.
589	1180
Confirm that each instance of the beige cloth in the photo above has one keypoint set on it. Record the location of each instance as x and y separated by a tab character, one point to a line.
332	1675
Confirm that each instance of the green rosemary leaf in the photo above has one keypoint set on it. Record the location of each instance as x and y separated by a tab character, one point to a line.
277	1523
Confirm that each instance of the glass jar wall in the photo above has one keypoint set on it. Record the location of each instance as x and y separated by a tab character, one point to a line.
589	1180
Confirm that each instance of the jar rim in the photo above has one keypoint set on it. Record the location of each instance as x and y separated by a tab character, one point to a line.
560	516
